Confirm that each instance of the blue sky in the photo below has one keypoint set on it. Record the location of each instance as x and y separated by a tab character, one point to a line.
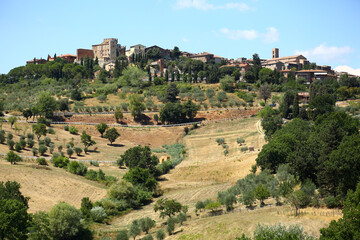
325	31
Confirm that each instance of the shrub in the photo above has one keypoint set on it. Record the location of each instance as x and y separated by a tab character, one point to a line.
12	157
77	168
98	214
73	130
22	142
91	175
122	235
69	152
18	147
10	143
94	163
41	161
333	202
240	140
280	232
60	161
243	149
47	141
66	127
78	150
226	152
34	151
210	93
221	96
42	149
225	146
2	137
220	141
160	234
50	131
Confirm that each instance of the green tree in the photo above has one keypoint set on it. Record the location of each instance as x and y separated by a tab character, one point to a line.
101	127
139	157
265	92
122	235
134	229
227	83
266	75
176	52
14	218
121	190
142	177
13	157
64	221
112	134
39	130
39	227
190	109
86	206
279	232
170	225
46	104
261	193
348	226
136	106
118	115
12	120
167	207
171	93
146	224
86	140
160	234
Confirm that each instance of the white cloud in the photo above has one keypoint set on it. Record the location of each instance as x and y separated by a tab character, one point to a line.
239	34
204	5
185	39
271	36
345	68
325	53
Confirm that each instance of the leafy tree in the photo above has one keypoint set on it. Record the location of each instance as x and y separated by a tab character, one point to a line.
46	104
101	127
112	134
172	113
139	157
136	106
64	221
142	177
12	120
98	214
160	234
261	193
86	206
146	224
265	91
63	104
121	190
167	207
13	157
171	93
190	109
122	235
266	75
39	130
271	125
76	95
176	52
39	227
69	152
78	150
118	115
134	229
321	105
42	149
348	226
86	140
170	225
227	83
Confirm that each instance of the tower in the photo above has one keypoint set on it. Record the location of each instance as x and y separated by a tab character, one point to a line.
275	53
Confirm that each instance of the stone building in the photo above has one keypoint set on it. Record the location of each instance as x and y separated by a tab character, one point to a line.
136	49
82	53
283	63
106	51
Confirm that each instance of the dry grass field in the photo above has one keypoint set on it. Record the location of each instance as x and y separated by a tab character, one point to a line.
46	187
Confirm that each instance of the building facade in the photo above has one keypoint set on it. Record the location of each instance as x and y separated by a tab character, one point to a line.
106	51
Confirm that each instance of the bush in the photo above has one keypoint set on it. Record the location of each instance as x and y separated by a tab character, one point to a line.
333	202
50	131
220	141
41	161
60	161
122	235
243	149
47	141
42	149
91	175
240	140
98	214
18	147
13	157
264	232
77	168
66	127
94	163
78	150
73	130
69	152
34	151
221	96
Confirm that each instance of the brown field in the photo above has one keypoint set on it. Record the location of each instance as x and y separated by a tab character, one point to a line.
46	187
202	174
